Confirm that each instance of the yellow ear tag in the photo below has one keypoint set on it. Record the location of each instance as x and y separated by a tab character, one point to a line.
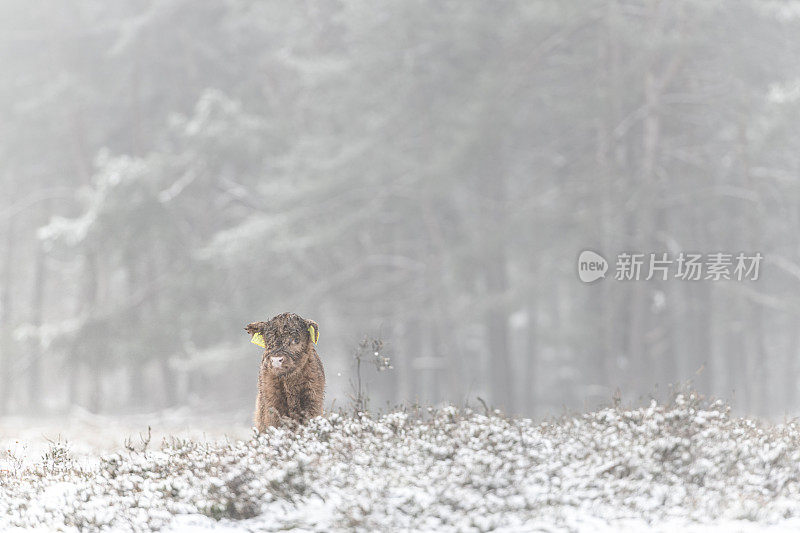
314	334
258	339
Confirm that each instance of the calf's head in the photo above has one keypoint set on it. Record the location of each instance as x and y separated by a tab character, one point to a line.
288	341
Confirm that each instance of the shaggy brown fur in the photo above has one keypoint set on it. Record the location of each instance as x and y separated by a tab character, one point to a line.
291	382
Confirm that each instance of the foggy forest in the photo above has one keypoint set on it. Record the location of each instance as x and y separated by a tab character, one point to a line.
418	178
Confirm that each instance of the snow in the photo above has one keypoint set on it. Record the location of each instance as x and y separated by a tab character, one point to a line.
688	465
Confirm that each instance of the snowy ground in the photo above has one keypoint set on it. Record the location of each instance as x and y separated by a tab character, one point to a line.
686	466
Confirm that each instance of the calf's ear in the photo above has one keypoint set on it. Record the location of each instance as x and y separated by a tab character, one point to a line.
313	331
254	329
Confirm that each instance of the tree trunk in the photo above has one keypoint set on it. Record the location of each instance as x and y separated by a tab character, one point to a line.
6	346
412	347
496	320
136	390
35	367
530	388
789	371
92	358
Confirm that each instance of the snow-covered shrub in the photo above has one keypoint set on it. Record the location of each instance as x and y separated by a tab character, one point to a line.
449	469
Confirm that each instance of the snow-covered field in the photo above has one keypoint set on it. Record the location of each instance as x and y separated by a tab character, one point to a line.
686	466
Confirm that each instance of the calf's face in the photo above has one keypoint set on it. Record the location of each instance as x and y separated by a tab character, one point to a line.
288	341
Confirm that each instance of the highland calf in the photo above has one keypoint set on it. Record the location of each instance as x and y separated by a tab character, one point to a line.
291	381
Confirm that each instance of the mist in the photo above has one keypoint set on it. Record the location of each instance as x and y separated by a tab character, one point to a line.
422	174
